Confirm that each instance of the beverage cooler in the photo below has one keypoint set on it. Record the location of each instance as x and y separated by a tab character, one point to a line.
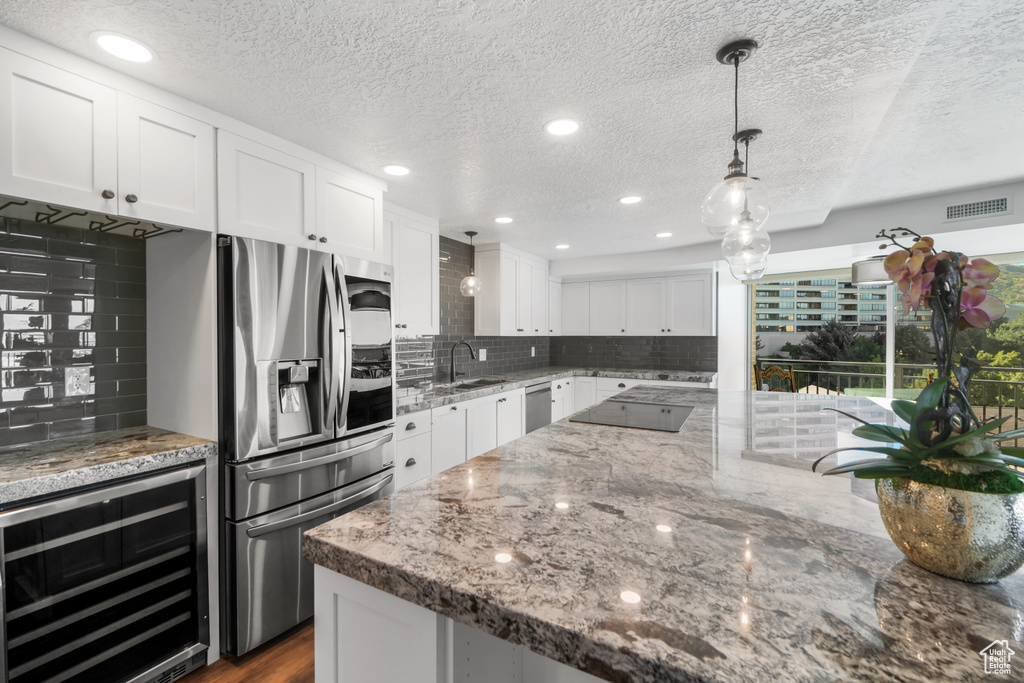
108	585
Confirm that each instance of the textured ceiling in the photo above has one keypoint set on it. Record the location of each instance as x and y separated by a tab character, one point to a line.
861	100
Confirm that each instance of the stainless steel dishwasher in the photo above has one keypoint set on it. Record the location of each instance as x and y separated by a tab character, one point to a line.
538	405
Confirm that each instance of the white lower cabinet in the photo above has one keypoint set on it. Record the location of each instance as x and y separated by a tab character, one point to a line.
413	449
511	416
610	386
483	425
562	399
584	392
448	436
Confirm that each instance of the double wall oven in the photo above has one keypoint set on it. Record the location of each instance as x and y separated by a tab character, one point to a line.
306	417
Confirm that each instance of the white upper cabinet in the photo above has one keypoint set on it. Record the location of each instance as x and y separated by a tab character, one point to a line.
576	309
58	136
554	308
608	308
165	166
513	298
691	305
264	193
645	307
538	322
416	301
349	217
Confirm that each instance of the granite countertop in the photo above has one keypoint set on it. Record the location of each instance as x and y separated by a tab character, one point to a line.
48	467
765	572
414	399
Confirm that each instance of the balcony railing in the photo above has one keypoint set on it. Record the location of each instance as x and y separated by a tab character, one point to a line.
995	392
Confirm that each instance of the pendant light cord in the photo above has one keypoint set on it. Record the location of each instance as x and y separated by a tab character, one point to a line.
736	105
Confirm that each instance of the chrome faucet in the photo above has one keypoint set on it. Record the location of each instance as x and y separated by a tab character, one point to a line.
472	354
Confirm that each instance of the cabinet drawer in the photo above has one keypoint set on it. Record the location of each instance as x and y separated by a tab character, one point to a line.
452	409
413	460
616	385
412	425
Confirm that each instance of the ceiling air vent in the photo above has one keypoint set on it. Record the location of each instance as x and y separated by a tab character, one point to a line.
988	207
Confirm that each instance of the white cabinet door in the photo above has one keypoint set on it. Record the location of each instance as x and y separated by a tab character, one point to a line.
554	308
487	304
417	277
448	437
264	193
483	425
576	309
539	309
584	392
58	136
645	307
608	308
509	312
511	416
691	305
166	166
557	404
564	387
524	298
349	217
413	456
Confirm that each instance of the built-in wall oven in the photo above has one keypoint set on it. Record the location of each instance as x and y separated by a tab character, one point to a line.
303	439
372	389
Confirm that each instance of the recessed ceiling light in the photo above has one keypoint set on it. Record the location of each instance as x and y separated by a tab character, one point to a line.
502	219
663	234
633	199
394	169
562	127
123	46
561	246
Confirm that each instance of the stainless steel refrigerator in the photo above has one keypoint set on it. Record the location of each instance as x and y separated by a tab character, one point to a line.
289	462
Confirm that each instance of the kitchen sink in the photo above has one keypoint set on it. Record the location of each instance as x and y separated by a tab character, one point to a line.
478	383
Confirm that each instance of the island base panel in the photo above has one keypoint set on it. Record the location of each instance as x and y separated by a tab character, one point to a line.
364	634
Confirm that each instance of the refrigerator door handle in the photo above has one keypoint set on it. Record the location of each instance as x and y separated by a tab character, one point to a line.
267	472
264	529
329	344
344	338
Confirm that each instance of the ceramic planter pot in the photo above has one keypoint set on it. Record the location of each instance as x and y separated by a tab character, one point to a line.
975	537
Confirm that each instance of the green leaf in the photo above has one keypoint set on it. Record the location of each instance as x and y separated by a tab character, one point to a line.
852	417
1009	436
1012	459
906	410
897	453
893	467
931	394
974	433
883	433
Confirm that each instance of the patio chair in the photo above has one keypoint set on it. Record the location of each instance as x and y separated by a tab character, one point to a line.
763	377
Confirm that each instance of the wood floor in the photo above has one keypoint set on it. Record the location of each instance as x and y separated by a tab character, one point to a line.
287	659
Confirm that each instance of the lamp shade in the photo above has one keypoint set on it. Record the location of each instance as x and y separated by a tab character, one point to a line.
742	245
748	271
725	203
470	285
870	272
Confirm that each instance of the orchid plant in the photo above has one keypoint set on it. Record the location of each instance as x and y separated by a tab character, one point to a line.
946	444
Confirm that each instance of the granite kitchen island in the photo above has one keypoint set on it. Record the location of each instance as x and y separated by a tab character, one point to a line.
712	554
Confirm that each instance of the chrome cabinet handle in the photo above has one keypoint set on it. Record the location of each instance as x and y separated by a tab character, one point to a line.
404	326
266	472
621	385
107	194
455	407
623	330
410	426
311	237
130	198
323	240
264	529
410	462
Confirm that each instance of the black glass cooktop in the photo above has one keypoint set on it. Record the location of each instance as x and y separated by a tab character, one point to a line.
637	415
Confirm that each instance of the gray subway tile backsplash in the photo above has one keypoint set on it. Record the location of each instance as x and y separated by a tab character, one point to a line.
70	297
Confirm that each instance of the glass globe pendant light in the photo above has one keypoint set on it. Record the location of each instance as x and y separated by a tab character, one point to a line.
738	193
470	285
